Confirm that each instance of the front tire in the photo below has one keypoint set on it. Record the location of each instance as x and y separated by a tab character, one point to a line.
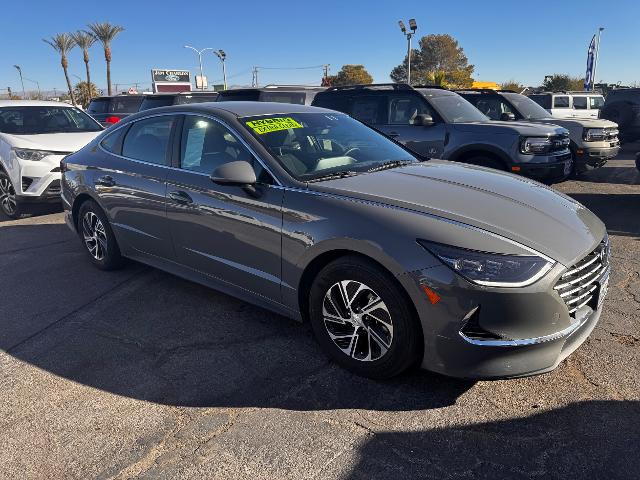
98	238
9	203
363	319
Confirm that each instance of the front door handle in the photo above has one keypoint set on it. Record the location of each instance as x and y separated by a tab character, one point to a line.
393	134
180	197
106	181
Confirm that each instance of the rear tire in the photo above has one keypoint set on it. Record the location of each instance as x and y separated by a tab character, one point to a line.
9	203
97	237
375	332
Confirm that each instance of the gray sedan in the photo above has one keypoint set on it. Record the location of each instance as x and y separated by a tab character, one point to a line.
394	260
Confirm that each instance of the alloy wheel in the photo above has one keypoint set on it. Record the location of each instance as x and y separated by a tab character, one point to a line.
7	196
95	236
357	320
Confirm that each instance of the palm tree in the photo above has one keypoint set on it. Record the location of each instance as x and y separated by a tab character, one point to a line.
84	40
63	43
105	33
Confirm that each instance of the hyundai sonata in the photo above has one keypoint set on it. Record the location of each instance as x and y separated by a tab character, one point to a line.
395	260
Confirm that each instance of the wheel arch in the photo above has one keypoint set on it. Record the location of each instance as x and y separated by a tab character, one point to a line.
78	201
478	150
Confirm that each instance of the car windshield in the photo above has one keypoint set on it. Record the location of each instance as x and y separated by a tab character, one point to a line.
45	119
124	104
455	109
311	146
529	109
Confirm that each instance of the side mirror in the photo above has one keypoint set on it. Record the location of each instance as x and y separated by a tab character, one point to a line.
424	120
238	173
507	117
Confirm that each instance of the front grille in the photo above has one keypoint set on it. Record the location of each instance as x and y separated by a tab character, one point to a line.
579	285
559	143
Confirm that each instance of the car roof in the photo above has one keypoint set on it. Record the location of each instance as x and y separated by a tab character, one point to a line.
237	109
33	103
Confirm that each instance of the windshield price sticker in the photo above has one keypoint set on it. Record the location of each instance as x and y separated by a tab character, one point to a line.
266	125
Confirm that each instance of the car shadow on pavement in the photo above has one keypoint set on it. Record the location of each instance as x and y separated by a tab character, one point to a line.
592	439
148	335
619	212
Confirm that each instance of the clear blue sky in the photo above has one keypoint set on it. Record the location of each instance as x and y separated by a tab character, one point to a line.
504	40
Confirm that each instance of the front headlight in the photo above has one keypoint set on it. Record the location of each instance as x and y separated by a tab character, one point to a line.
535	145
593	134
29	154
491	269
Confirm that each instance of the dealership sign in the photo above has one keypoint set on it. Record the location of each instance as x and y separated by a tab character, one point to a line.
171	80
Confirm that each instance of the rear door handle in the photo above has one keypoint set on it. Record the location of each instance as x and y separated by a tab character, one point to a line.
180	197
106	181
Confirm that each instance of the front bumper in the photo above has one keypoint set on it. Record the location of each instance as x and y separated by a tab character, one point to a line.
534	331
555	169
589	158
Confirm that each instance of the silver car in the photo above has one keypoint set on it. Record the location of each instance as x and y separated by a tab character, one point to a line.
394	261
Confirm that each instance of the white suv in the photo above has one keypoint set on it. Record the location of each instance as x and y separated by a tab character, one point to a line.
34	137
570	104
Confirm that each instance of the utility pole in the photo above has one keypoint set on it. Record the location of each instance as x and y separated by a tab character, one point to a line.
9	90
254	80
595	60
413	26
325	68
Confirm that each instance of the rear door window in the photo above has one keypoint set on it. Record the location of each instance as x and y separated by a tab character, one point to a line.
369	109
561	102
596	102
580	103
148	140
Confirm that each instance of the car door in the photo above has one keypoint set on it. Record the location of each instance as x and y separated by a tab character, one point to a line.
232	233
400	123
131	184
561	107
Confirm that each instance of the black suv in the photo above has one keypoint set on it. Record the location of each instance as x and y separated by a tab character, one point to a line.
110	110
297	94
437	123
622	106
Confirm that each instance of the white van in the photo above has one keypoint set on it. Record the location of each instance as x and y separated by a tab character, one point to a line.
570	104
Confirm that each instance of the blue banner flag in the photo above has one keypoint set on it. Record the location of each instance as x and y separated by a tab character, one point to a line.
588	78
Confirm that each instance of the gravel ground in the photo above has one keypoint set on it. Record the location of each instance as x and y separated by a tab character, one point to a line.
139	374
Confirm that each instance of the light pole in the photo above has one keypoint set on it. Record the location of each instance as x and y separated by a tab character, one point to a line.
595	60
199	52
17	67
222	56
413	27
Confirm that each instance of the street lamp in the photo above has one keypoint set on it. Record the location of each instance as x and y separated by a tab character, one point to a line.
199	52
222	56
17	67
38	85
413	26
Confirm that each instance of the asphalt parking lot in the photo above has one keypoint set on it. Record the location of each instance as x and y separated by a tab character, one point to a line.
139	374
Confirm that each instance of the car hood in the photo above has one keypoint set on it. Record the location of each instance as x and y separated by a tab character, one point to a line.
578	122
57	142
513	207
517	128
